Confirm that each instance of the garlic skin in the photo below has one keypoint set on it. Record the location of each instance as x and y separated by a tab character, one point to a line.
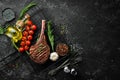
54	56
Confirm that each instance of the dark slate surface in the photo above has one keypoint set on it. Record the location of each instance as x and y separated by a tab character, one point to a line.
89	25
5	47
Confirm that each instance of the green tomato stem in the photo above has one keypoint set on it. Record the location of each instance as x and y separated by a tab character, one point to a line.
27	52
14	45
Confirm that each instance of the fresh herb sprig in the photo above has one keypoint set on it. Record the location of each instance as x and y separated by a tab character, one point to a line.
50	34
1	29
25	9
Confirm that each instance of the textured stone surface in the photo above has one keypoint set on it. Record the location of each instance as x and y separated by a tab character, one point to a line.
6	48
90	25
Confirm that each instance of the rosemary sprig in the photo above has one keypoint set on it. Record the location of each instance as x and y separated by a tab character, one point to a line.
25	9
50	35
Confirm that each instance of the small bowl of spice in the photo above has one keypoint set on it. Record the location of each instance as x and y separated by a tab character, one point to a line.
62	49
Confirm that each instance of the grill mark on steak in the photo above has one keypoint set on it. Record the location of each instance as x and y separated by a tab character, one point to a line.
40	51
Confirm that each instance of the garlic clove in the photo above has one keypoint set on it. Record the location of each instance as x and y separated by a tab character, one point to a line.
66	69
73	72
54	56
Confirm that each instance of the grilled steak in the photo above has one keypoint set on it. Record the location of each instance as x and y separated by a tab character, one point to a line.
40	51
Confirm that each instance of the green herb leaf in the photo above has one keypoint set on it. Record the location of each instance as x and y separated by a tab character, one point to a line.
50	35
24	10
1	30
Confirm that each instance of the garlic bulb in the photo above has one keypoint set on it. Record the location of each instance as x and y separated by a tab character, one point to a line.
54	56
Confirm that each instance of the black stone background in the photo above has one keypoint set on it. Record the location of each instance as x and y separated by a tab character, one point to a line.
91	26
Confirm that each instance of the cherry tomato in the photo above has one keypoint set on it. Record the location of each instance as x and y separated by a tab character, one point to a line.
24	38
28	42
33	27
25	33
28	22
31	32
21	49
22	43
26	47
30	37
27	28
